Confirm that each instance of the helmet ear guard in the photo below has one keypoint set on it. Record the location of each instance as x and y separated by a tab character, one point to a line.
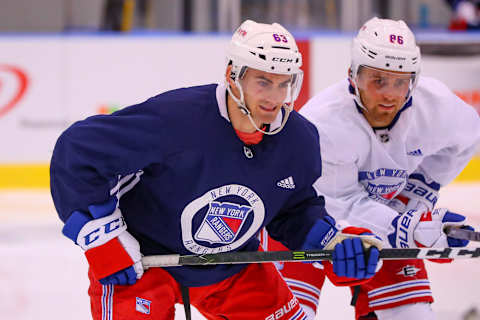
269	48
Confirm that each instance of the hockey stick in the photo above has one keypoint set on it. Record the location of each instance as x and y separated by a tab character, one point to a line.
175	260
462	234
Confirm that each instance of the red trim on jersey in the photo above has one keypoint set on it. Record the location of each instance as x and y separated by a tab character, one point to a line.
250	138
306	296
107	259
425	299
399	291
403	199
393	287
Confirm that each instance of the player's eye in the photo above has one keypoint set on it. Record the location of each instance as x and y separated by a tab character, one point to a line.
379	81
402	82
284	85
263	83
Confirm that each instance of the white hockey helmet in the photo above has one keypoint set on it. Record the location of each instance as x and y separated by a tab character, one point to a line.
388	45
269	48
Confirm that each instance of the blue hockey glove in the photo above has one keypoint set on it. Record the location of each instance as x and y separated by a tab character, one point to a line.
112	253
356	251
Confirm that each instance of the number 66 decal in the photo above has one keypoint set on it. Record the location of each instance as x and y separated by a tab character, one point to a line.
397	39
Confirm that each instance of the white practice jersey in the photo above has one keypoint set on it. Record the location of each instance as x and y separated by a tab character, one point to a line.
363	169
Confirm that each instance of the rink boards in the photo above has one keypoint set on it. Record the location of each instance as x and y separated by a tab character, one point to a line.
49	81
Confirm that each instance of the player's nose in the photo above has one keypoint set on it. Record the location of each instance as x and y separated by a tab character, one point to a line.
276	97
390	95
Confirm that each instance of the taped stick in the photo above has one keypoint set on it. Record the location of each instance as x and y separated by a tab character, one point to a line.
175	260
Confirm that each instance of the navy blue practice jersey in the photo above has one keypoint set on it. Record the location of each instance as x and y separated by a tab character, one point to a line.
186	183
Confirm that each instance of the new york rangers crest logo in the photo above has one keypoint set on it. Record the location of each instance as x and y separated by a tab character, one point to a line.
383	184
222	222
231	215
142	305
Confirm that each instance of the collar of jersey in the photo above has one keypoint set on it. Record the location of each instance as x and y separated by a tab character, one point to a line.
222	107
397	116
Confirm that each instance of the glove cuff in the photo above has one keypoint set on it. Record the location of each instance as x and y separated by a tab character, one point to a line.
321	233
88	233
419	188
339	281
108	259
404	226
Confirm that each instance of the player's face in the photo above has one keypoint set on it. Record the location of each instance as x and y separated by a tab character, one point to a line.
265	94
383	94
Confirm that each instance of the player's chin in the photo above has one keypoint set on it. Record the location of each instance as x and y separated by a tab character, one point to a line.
385	120
268	119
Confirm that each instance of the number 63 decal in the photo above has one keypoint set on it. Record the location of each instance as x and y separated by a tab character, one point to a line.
280	37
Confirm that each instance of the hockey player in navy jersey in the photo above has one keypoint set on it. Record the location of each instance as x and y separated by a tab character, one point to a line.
390	139
202	170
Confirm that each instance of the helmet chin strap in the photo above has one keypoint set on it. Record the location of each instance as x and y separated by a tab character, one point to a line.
357	98
244	109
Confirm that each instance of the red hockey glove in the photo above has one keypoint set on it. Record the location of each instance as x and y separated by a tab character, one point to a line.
112	253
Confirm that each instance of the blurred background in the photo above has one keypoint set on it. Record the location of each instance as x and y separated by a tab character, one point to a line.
225	15
64	60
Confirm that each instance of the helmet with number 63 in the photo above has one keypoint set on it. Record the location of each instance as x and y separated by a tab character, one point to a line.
269	48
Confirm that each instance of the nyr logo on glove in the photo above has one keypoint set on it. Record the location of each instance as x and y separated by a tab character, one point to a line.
230	215
222	222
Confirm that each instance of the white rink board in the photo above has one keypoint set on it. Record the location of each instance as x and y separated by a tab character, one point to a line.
43	275
71	77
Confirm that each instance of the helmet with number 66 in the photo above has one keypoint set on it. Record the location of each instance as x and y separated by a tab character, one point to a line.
387	45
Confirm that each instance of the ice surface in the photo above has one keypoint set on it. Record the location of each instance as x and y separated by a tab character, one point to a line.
43	275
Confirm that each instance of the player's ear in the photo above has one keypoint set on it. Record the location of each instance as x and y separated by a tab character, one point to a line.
228	76
350	77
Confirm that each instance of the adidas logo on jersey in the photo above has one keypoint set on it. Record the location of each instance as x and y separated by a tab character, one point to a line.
286	183
415	153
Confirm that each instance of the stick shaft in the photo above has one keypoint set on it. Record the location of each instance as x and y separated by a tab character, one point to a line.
462	234
295	256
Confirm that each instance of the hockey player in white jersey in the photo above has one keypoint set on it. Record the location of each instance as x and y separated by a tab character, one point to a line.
390	139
